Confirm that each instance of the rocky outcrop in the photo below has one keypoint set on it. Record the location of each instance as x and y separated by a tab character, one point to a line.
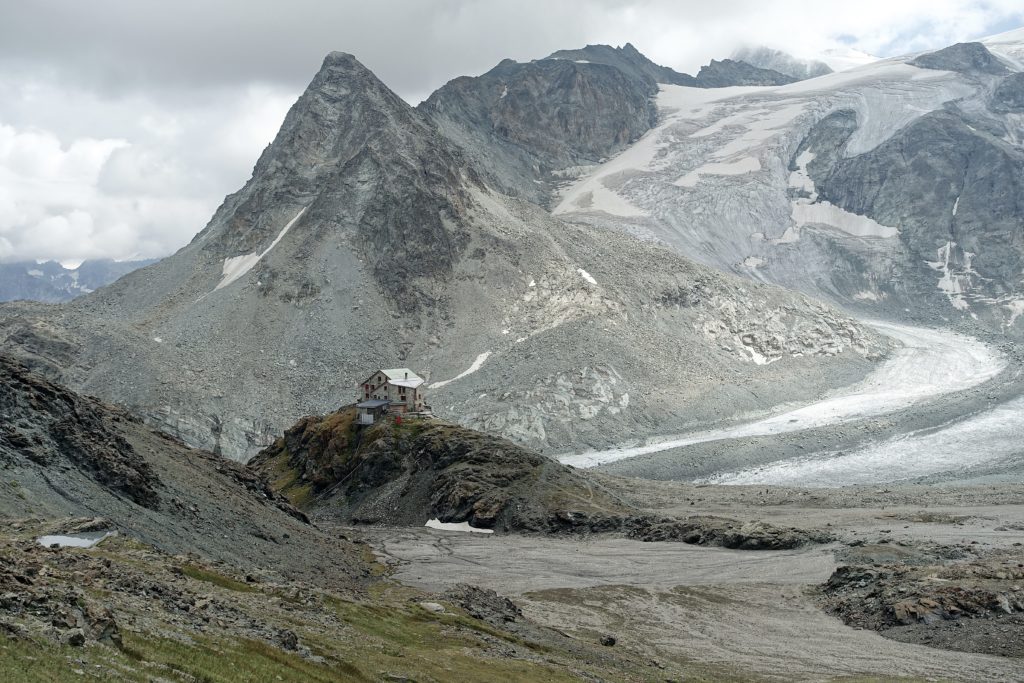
51	427
1008	96
629	61
968	58
972	602
422	469
67	455
729	72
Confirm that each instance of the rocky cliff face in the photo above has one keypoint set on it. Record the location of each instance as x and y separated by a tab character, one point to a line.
629	61
729	72
965	58
530	125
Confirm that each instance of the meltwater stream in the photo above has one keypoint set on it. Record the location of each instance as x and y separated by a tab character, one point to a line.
929	364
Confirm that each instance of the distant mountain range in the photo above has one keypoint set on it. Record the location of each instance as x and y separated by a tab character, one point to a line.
50	282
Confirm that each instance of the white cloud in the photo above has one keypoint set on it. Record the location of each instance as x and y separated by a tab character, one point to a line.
140	196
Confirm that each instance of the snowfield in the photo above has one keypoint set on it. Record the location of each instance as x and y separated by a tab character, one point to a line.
930	363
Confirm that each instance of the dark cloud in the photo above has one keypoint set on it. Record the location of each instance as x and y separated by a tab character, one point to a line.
124	123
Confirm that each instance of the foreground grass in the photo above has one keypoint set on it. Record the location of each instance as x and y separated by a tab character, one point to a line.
390	642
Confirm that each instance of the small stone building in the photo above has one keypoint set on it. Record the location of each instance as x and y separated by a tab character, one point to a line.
371	411
400	387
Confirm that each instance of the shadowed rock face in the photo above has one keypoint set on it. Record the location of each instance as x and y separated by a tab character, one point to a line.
52	427
531	126
1008	96
64	454
729	72
962	57
422	469
363	162
529	123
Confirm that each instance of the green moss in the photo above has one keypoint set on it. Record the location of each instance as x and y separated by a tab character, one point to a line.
201	574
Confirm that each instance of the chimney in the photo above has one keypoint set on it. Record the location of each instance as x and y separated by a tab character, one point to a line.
407	375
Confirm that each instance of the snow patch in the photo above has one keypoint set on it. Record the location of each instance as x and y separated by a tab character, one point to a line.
158	340
954	282
35	273
825	213
956	205
237	266
586	276
738	167
753	262
504	93
477	364
865	296
800	179
86	540
455	526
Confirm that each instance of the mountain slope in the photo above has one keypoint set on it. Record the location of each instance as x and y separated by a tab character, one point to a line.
629	61
66	455
889	188
367	238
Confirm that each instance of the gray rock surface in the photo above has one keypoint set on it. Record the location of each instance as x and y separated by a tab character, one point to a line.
629	61
963	57
729	72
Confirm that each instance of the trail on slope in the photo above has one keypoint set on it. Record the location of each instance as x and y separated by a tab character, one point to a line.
929	364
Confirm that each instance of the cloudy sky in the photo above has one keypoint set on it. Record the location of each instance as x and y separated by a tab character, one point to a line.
124	123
